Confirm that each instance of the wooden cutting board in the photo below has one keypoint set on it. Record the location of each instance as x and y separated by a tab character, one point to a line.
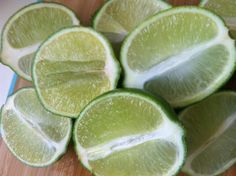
68	165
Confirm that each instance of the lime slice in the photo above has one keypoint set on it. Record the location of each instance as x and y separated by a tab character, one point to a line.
35	136
224	8
118	17
25	31
129	133
184	54
211	129
73	67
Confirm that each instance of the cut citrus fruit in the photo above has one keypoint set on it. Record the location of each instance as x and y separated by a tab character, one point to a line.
35	136
226	9
184	54
25	31
129	133
211	129
118	17
73	67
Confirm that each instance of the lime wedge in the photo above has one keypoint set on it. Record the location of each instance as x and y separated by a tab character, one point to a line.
73	67
129	133
25	31
118	17
35	136
226	9
184	54
211	129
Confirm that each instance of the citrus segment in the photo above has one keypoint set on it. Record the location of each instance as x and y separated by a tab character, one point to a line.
129	133
71	68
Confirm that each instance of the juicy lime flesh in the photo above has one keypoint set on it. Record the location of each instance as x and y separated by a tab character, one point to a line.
30	106
119	134
114	115
193	70
210	128
36	25
226	8
206	164
72	46
164	38
213	114
25	63
30	131
33	152
153	158
121	16
72	72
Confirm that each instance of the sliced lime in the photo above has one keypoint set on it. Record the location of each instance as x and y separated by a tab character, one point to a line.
129	133
35	136
25	31
118	17
224	8
71	68
211	129
184	54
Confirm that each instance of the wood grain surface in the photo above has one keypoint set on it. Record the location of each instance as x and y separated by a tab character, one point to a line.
68	165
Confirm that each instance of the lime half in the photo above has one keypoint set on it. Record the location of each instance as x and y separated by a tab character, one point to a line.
118	17
184	54
35	136
73	67
129	133
25	31
211	129
226	9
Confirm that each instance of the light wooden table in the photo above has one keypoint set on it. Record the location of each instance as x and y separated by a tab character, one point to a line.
68	165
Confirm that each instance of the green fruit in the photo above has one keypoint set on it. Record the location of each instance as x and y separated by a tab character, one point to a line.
129	133
119	17
183	54
211	129
73	67
35	136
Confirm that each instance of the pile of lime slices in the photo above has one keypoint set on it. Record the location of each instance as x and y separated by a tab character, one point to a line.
170	57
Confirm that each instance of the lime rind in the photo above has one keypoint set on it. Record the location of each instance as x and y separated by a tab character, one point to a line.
170	124
187	166
112	66
10	56
203	2
61	148
136	80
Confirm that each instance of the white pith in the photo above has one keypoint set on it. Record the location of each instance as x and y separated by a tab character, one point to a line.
60	147
10	55
111	65
167	131
135	79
